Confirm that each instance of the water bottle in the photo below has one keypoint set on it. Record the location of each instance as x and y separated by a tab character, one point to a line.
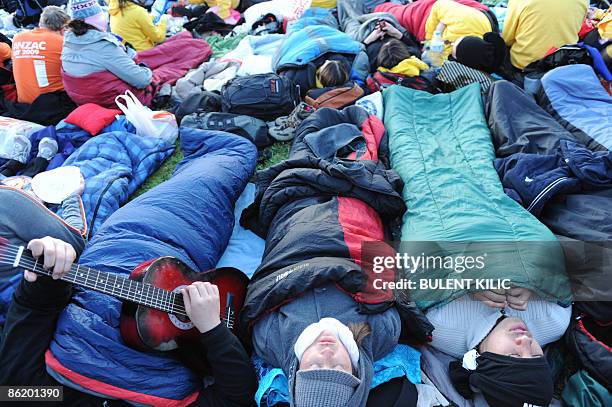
434	56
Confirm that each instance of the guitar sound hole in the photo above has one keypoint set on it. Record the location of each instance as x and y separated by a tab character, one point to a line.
182	318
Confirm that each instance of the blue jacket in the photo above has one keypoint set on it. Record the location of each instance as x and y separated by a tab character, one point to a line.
532	179
304	46
189	217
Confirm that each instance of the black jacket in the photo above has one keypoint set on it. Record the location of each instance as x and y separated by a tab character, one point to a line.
30	325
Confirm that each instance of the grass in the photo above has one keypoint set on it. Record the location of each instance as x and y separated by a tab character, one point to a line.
275	153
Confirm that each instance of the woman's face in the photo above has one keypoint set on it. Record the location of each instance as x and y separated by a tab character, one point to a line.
326	352
511	338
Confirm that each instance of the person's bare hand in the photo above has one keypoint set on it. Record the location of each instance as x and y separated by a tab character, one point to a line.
202	305
391	31
57	254
491	298
374	36
518	298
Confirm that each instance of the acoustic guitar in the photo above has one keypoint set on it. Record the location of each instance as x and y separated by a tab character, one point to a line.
153	315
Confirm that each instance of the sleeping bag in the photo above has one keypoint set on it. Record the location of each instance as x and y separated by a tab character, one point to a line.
303	51
315	210
574	96
114	165
441	147
189	217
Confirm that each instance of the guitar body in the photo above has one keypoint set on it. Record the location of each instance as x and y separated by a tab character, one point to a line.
146	328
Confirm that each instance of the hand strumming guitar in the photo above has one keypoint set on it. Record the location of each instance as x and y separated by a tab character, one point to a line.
202	305
202	302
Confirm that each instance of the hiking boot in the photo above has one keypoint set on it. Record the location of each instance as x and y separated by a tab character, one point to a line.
47	148
283	128
21	149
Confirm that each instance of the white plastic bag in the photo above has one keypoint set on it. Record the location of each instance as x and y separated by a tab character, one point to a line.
148	123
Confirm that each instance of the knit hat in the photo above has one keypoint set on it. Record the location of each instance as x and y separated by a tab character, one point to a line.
88	11
504	381
324	387
486	54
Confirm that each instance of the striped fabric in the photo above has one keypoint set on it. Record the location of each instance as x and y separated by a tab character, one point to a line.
455	75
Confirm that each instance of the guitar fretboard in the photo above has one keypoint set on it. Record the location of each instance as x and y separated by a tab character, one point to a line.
107	283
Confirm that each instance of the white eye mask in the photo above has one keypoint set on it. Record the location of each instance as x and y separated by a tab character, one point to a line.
340	331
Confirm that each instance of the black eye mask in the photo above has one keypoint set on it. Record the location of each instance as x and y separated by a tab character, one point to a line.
505	381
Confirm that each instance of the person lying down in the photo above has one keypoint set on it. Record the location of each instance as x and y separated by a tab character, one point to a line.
492	343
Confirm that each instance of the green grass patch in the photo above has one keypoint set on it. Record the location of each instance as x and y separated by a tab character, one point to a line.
277	153
162	174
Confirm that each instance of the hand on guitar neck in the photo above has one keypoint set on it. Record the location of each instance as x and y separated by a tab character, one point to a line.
202	303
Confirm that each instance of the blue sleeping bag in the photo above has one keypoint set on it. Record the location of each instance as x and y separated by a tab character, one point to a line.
574	96
189	217
114	165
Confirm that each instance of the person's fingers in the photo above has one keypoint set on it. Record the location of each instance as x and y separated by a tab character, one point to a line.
215	290
70	258
201	288
522	306
194	293
186	301
495	297
60	260
29	276
494	304
209	290
48	253
36	247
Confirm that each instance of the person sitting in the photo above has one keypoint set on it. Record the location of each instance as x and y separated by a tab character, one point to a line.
96	67
37	56
533	27
495	339
131	21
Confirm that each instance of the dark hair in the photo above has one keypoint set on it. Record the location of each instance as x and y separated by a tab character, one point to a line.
359	330
333	73
392	53
80	27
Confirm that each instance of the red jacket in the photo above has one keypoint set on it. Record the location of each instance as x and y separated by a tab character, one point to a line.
413	16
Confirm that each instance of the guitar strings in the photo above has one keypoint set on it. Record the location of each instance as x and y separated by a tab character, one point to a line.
174	304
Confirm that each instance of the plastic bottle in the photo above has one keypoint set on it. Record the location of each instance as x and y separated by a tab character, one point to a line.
434	55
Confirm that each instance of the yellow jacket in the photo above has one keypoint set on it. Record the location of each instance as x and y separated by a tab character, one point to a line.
532	27
460	21
408	67
135	25
605	23
224	5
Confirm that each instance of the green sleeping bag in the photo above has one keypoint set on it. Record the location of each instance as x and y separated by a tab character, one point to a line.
441	147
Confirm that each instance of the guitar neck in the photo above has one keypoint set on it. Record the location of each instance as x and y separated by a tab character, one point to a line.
107	283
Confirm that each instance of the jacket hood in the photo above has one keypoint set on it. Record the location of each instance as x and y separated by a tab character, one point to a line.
365	374
90	37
